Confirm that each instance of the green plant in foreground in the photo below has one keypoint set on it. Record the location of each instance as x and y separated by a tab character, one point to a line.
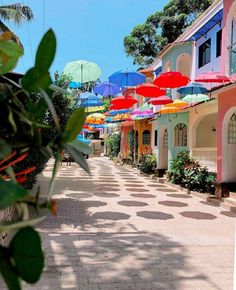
22	129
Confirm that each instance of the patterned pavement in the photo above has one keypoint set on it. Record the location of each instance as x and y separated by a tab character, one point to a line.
118	229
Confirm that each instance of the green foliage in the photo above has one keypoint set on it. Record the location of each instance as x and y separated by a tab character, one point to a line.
131	141
148	163
113	145
188	173
36	123
163	27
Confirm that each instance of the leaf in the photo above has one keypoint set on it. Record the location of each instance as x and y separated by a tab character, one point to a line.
78	157
80	146
11	193
8	272
27	253
5	150
46	50
11	120
74	125
36	79
9	226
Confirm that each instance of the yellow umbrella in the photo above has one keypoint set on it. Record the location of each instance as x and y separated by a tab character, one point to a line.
169	110
97	116
179	104
94	109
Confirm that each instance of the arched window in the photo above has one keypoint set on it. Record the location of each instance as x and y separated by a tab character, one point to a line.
181	135
232	130
146	137
165	139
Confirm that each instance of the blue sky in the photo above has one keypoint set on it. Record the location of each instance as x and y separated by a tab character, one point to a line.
85	29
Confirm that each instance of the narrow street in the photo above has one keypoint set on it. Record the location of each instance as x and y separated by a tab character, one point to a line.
120	230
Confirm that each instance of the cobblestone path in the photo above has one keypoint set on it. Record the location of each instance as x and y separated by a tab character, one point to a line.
120	230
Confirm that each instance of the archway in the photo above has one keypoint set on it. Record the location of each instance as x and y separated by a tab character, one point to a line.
163	149
229	146
184	64
204	141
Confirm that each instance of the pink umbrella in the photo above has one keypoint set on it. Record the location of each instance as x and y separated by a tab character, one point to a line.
212	77
163	100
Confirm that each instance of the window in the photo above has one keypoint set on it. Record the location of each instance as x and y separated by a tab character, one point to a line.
204	53
165	139
218	43
156	138
232	130
181	135
146	137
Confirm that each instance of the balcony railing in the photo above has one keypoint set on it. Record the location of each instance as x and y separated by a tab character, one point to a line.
232	59
207	156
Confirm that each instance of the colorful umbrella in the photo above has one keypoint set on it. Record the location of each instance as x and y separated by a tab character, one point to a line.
91	103
195	98
212	77
107	89
74	85
192	89
127	79
96	116
110	125
168	110
82	71
145	107
171	80
116	112
82	139
163	100
88	95
94	109
149	90
178	104
123	102
93	121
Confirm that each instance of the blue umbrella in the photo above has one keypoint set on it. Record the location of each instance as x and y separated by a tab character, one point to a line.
75	85
88	95
127	79
91	103
107	89
116	112
192	89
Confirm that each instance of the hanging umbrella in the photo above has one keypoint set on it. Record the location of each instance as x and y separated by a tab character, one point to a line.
123	102
91	103
110	125
88	95
90	121
145	106
97	116
171	80
179	104
82	139
107	89
163	100
168	110
192	89
116	112
195	98
149	90
137	112
83	71
74	85
212	77
94	109
127	79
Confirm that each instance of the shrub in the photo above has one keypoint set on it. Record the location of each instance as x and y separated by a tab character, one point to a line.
130	141
148	163
113	145
188	172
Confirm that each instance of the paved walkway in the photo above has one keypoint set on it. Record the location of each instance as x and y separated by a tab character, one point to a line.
120	230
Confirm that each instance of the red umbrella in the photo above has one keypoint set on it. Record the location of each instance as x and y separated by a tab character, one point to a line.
149	90
163	100
122	102
171	80
212	77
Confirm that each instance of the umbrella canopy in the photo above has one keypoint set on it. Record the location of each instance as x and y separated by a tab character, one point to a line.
82	71
88	95
145	107
137	112
93	121
192	89
149	90
94	109
169	110
107	89
91	103
74	85
111	125
179	104
212	77
127	79
163	100
82	139
123	102
116	112
171	80
97	116
195	98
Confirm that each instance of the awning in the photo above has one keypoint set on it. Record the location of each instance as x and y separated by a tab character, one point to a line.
216	19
